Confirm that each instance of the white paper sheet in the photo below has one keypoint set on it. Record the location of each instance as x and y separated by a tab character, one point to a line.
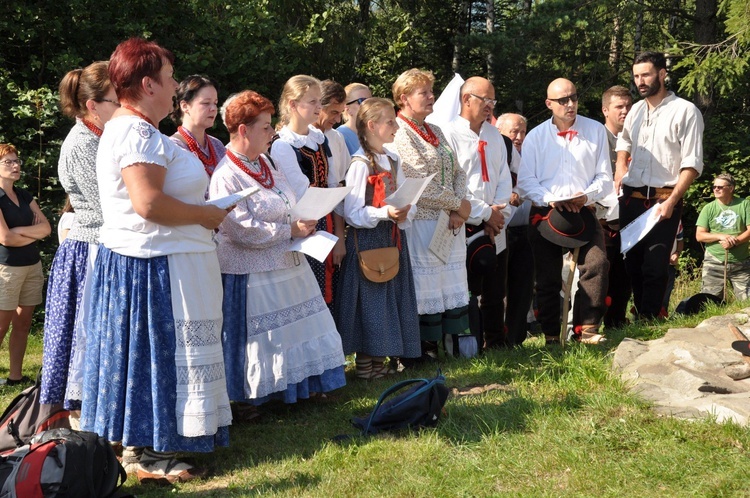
500	241
232	199
638	228
318	202
442	240
591	190
409	192
317	245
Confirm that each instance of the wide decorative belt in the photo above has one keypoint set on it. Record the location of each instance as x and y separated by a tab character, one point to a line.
651	192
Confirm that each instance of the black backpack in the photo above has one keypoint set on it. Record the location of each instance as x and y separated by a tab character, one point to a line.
25	416
61	463
419	406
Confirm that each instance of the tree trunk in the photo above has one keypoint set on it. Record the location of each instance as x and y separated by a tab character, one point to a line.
359	53
490	29
705	34
615	46
463	24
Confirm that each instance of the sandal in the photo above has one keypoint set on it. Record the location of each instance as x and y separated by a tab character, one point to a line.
129	458
163	469
245	412
380	369
590	335
364	366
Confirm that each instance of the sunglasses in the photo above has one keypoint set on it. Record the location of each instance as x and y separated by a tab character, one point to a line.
721	187
358	101
564	100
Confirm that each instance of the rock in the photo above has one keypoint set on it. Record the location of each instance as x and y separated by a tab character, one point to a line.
691	373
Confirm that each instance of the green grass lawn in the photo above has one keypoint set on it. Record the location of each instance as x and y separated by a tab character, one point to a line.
561	425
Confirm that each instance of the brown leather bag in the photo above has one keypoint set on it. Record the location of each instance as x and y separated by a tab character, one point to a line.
377	265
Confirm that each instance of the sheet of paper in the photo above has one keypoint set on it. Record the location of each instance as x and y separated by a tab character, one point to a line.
233	199
442	240
593	189
409	192
318	202
500	242
317	245
638	228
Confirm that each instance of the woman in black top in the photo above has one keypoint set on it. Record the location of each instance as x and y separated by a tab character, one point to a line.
21	225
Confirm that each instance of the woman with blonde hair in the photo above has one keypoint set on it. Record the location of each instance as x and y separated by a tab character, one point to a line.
86	96
442	288
356	94
302	152
280	341
376	320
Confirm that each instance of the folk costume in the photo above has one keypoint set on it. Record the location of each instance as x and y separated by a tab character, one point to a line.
376	319
305	161
279	338
210	154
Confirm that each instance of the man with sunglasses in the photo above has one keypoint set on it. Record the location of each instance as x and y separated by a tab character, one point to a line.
563	158
659	154
724	226
482	154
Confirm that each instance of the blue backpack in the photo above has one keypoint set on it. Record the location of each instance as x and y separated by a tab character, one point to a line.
418	406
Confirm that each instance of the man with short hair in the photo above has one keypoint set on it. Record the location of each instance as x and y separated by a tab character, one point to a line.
563	158
616	103
520	273
481	153
724	226
659	154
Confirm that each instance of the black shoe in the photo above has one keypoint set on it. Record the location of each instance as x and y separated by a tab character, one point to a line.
18	382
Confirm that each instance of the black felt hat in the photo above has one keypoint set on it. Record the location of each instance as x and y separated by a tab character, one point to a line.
568	229
480	256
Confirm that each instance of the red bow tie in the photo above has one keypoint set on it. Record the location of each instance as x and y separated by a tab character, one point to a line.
569	133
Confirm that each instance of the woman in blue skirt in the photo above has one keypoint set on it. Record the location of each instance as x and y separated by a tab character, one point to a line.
376	319
154	372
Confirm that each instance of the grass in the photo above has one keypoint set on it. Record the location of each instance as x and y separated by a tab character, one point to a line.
561	425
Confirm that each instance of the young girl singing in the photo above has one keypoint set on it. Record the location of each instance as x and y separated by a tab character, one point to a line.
376	319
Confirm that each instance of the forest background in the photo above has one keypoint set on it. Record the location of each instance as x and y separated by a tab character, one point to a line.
520	45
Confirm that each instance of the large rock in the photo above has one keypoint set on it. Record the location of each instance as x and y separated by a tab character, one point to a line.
685	373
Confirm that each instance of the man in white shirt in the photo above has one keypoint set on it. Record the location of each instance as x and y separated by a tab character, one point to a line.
567	158
481	153
616	103
520	274
659	154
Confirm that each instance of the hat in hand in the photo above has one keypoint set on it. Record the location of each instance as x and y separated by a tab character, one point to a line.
568	229
480	256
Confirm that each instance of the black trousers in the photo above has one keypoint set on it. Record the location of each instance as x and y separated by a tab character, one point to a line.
491	289
520	288
592	282
647	262
619	282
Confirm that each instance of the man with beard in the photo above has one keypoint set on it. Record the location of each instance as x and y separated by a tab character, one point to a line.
481	153
616	103
563	158
659	154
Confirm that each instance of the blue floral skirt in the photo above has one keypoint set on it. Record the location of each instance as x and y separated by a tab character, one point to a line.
64	295
131	380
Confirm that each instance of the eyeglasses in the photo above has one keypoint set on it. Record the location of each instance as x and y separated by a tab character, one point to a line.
358	101
487	101
110	101
721	187
11	162
564	100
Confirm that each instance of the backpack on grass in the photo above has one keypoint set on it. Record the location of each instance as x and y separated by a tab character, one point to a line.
418	406
25	416
61	463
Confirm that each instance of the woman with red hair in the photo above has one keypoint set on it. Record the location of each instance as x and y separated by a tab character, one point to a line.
154	375
280	340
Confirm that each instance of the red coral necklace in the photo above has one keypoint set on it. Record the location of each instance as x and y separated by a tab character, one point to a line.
138	113
264	177
91	126
209	161
428	137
